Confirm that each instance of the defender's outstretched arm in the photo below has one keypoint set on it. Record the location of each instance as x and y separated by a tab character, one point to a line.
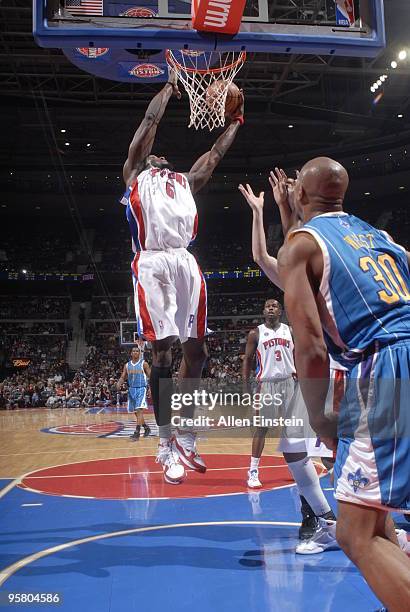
266	262
141	144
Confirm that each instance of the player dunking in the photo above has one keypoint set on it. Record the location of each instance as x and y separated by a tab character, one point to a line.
337	260
136	372
170	291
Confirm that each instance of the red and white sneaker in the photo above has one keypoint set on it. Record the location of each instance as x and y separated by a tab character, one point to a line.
174	471
185	446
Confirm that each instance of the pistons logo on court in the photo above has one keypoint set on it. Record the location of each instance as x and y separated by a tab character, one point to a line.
144	71
93	52
110	429
139	11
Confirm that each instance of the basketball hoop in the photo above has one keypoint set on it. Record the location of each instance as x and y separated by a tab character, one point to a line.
197	71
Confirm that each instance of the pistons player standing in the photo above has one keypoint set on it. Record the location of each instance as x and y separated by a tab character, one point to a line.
272	345
169	288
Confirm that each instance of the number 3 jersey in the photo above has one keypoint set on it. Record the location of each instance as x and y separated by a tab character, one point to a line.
274	353
161	211
364	293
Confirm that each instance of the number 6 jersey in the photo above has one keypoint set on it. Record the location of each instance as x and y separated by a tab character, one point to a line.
364	294
161	211
274	353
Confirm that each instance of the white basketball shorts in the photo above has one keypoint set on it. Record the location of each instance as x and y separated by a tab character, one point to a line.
169	295
302	439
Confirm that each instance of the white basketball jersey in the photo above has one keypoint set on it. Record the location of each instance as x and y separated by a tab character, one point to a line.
274	353
161	211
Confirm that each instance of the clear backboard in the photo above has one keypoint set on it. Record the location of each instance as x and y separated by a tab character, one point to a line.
324	27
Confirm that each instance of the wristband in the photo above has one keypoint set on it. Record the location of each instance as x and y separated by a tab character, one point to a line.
239	118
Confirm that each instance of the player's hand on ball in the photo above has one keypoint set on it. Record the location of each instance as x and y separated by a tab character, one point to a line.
241	107
255	202
173	80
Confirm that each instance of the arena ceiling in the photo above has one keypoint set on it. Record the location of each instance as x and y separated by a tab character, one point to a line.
326	100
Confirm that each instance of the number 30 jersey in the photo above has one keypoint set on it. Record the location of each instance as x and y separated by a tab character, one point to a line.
364	294
274	353
161	211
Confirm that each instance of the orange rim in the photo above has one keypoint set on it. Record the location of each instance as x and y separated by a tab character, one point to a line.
173	62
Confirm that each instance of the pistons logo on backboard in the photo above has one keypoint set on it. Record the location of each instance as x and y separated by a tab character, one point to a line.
139	11
93	52
146	71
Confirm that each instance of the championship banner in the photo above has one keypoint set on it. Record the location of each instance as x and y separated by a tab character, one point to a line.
222	16
345	12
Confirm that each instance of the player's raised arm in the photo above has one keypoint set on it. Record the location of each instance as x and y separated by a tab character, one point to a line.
300	263
141	144
203	168
122	378
260	253
283	189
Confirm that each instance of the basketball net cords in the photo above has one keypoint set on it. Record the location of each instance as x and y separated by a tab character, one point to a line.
196	72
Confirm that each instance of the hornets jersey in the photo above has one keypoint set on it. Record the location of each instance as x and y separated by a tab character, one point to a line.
364	294
136	374
274	353
161	211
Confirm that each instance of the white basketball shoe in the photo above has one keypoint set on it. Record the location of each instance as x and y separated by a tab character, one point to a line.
323	538
404	543
185	446
174	471
253	479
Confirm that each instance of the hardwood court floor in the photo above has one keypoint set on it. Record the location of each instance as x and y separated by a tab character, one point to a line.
85	513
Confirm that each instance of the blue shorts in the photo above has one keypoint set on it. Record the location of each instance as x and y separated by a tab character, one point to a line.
136	398
373	456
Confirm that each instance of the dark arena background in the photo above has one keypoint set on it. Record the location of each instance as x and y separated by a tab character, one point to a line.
87	520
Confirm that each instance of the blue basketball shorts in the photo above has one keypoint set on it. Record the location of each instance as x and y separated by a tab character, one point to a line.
373	456
136	398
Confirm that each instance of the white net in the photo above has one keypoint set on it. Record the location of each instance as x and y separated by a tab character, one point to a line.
206	76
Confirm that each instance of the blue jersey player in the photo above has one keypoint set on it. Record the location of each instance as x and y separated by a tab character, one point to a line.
347	292
136	372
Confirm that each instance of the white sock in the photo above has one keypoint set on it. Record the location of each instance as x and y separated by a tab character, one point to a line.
165	433
254	463
308	484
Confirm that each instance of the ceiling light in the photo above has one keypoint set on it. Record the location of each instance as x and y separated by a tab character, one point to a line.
393	64
226	207
402	187
402	55
372	89
290	126
88	144
379	82
367	193
67	144
101	209
400	116
62	131
24	271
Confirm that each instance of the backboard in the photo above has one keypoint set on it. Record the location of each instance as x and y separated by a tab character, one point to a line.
319	27
129	335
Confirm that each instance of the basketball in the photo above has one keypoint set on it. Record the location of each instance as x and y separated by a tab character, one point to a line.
233	96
